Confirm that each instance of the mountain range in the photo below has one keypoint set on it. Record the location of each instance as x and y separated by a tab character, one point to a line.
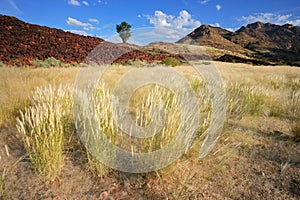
265	42
257	43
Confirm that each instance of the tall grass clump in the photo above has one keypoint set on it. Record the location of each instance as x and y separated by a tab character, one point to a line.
244	99
143	111
293	105
42	126
295	84
295	115
94	112
205	102
277	81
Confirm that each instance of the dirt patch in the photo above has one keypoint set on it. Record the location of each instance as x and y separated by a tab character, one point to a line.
261	167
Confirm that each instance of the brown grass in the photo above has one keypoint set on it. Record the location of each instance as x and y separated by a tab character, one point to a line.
255	158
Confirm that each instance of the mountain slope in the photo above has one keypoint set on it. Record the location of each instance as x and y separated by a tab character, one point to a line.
21	43
270	42
206	35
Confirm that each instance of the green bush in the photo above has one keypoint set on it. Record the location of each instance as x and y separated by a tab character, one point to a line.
206	63
2	64
74	64
15	60
39	63
52	62
136	63
170	61
129	62
49	62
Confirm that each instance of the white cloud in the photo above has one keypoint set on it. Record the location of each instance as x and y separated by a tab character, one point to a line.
160	19
216	24
74	22
270	18
294	22
185	20
204	1
79	32
85	3
101	2
172	27
13	4
94	20
74	2
232	29
218	7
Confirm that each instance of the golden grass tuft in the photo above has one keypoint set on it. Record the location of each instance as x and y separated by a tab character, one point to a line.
42	126
243	98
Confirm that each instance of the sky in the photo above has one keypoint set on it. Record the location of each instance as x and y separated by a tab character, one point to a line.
151	20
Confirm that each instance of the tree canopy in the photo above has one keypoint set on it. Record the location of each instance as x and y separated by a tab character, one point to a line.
124	31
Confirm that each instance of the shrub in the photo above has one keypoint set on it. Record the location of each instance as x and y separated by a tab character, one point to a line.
170	61
74	64
52	62
2	64
64	65
136	63
206	63
39	63
49	62
129	62
15	60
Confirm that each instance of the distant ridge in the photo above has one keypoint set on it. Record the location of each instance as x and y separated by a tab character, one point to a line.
270	42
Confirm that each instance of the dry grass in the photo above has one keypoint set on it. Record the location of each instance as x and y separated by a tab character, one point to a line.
255	95
96	106
43	128
17	84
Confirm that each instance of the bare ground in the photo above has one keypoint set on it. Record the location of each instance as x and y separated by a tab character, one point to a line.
248	163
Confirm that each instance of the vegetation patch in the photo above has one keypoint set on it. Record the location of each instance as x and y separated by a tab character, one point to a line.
171	61
49	62
43	126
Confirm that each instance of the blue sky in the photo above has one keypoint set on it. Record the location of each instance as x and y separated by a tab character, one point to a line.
151	20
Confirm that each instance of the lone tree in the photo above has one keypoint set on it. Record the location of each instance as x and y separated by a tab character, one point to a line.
124	31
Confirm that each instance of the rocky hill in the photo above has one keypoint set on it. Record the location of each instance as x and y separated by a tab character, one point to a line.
268	42
21	43
206	35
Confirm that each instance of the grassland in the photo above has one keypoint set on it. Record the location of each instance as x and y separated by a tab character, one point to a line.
256	157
